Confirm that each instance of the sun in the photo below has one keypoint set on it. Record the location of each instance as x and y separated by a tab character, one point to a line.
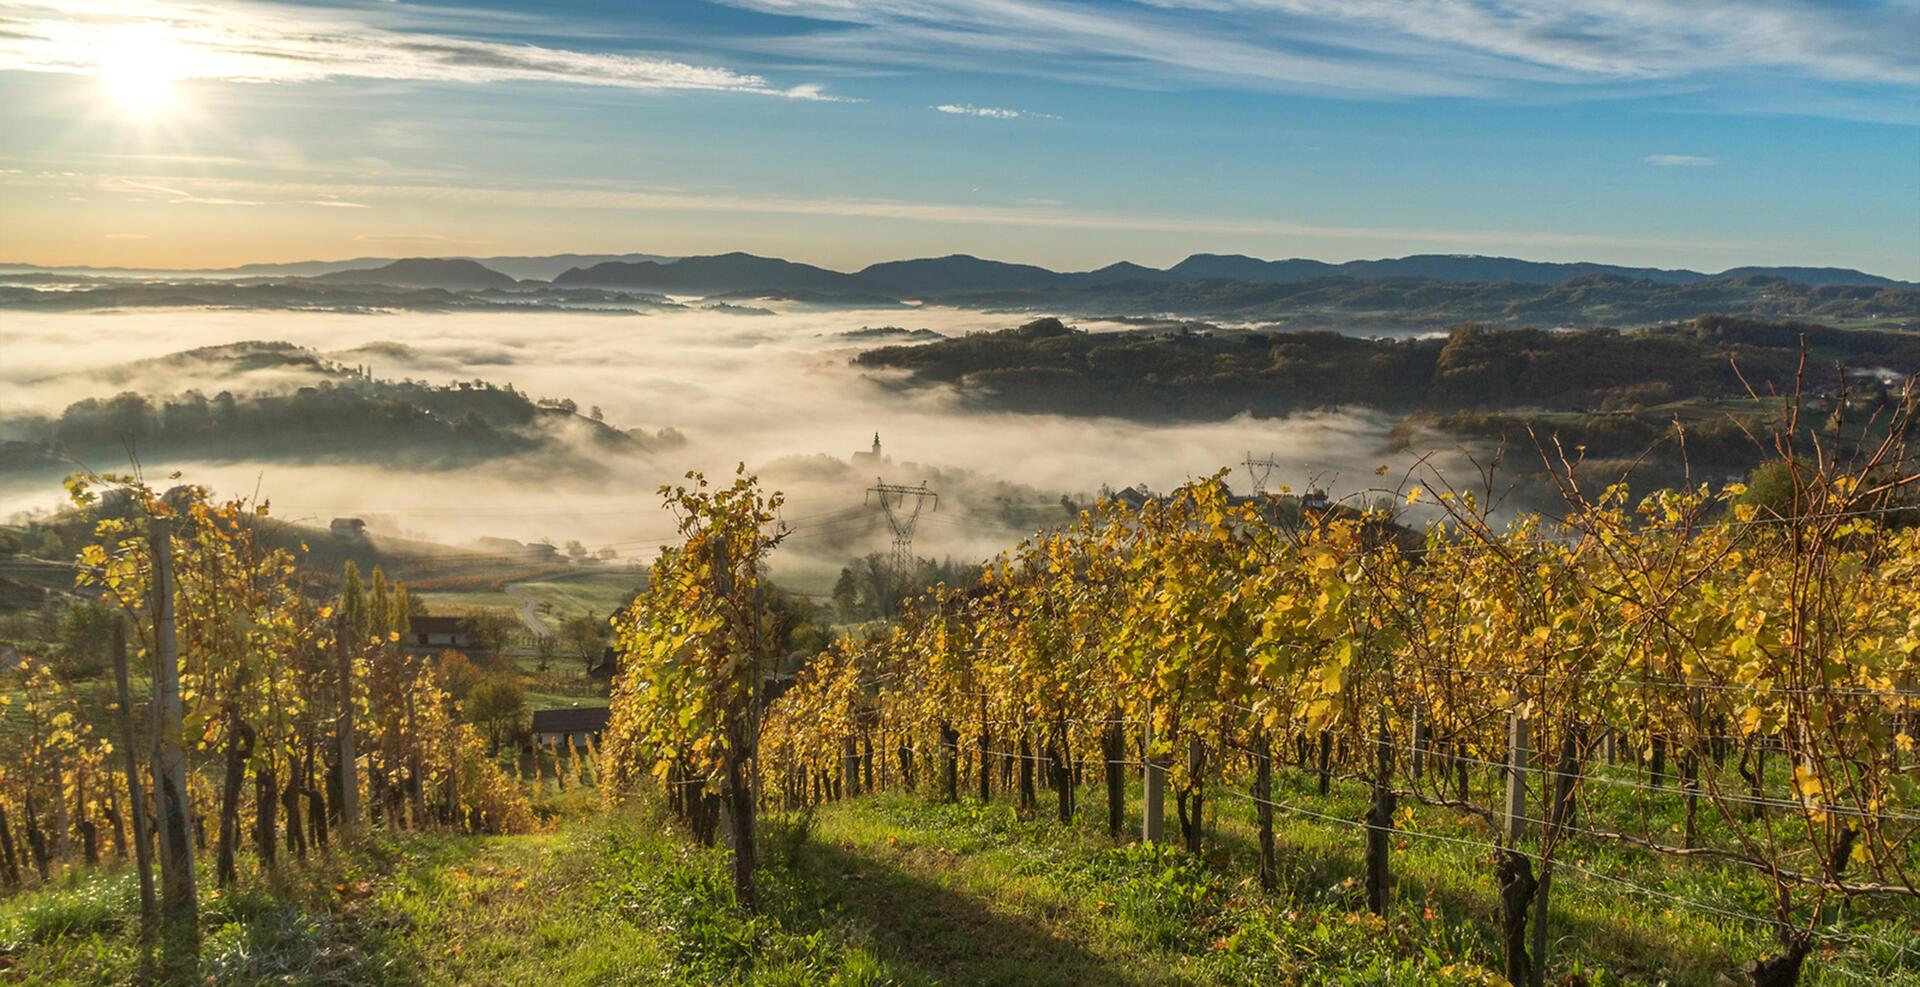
140	67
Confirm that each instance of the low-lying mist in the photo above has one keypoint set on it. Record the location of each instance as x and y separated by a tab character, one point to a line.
775	392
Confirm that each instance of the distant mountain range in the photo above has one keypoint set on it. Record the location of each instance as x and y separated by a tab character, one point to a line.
962	274
1421	291
538	268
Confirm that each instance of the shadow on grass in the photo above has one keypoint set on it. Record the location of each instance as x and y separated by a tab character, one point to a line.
945	936
1321	865
1309	869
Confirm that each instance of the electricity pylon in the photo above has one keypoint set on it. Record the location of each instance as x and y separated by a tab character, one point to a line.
1260	471
893	501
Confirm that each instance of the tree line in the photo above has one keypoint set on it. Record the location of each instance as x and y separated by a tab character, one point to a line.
1047	366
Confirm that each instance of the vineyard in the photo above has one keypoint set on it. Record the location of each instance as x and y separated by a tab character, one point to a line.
275	721
1691	680
1668	740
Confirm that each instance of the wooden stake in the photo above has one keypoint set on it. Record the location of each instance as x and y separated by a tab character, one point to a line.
179	899
1514	823
1153	810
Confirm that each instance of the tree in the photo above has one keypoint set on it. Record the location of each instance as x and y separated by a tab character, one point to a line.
584	637
846	596
495	704
86	632
1773	490
492	631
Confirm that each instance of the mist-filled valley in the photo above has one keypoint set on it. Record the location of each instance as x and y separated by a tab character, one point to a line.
606	408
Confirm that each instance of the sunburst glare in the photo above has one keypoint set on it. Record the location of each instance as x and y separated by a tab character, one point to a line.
140	68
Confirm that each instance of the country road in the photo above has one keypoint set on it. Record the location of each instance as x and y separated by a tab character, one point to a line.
529	611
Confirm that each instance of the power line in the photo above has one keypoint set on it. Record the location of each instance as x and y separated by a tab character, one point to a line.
900	519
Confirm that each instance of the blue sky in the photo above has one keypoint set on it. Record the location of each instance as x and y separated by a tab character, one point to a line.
1698	133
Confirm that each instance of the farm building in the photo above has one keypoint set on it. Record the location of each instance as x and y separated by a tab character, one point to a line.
440	632
576	724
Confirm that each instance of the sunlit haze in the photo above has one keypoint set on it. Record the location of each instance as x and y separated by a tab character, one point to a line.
1067	133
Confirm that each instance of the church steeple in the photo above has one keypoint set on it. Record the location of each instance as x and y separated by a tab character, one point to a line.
876	443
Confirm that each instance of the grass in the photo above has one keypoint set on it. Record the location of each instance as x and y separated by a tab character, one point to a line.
599	593
468	601
892	889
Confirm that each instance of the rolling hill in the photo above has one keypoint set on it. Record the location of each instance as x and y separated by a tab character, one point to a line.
426	272
957	274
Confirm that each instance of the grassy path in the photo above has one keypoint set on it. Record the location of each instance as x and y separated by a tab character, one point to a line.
881	890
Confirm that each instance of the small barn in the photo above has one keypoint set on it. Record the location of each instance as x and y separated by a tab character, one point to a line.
348	527
575	725
439	632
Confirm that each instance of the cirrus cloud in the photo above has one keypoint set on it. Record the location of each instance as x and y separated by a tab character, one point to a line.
1477	48
272	43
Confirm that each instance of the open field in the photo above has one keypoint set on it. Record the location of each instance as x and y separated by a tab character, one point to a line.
594	591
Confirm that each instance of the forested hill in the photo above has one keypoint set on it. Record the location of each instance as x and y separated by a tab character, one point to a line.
1047	366
1593	299
289	403
1407	293
928	277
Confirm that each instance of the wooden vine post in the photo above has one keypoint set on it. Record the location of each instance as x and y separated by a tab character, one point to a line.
180	907
1153	790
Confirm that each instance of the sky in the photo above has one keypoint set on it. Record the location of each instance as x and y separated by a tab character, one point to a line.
1070	133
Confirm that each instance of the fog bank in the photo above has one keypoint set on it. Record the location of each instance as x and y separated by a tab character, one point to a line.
775	392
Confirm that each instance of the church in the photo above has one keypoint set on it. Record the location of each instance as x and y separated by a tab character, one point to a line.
874	458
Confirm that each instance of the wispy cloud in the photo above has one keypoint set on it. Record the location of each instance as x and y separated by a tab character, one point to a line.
991	112
261	42
126	236
425	238
1680	160
144	189
1013	216
335	204
1412	47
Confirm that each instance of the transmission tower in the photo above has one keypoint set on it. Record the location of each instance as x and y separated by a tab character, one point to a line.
1259	471
893	501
